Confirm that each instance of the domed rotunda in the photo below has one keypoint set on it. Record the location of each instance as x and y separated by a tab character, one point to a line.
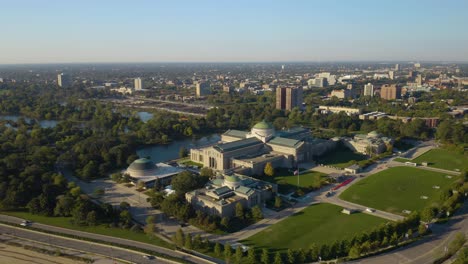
263	130
141	168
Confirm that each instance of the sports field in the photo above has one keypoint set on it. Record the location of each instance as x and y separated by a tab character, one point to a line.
317	224
288	182
443	159
399	188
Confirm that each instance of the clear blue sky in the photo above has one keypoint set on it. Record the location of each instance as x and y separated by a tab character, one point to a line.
44	31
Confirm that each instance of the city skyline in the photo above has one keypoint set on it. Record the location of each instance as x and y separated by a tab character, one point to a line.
208	31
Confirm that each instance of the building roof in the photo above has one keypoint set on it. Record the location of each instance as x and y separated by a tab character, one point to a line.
236	133
292	132
287	142
222	190
142	165
244	190
263	125
243	143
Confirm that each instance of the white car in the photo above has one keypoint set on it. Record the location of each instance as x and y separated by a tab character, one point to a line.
25	223
370	210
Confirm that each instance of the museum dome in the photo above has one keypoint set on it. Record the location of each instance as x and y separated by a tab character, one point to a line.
263	131
263	125
232	181
141	167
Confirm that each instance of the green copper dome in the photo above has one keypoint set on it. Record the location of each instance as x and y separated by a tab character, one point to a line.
263	125
142	164
231	178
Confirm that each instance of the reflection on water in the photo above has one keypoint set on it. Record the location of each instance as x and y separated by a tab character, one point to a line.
161	153
42	123
144	116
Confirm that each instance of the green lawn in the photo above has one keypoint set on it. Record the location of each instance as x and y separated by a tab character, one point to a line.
397	189
443	159
403	160
317	224
341	158
287	181
100	229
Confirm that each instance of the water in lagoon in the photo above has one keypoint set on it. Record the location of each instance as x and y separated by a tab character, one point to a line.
161	153
144	116
42	123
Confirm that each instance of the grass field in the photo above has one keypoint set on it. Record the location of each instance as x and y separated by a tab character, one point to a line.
341	158
444	159
287	181
100	229
317	224
397	189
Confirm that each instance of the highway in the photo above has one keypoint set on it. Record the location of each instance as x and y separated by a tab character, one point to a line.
116	253
107	239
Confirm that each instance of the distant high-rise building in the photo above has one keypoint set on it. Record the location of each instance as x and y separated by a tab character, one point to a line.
369	90
390	92
391	75
419	80
288	98
411	74
397	67
417	65
282	67
64	80
138	84
202	88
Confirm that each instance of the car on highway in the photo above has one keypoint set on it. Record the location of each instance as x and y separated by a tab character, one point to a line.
25	223
148	257
370	210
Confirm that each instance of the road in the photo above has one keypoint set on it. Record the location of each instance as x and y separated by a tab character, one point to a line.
113	252
110	239
429	248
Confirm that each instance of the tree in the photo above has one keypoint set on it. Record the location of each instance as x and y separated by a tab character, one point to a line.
91	218
183	152
188	241
239	254
227	252
225	222
251	256
428	213
184	182
257	213
301	256
265	258
197	241
278	202
150	228
217	249
269	170
278	259
239	210
291	256
34	206
125	217
206	172
179	238
355	251
75	191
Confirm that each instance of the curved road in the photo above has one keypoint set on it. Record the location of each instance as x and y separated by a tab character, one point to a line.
429	248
